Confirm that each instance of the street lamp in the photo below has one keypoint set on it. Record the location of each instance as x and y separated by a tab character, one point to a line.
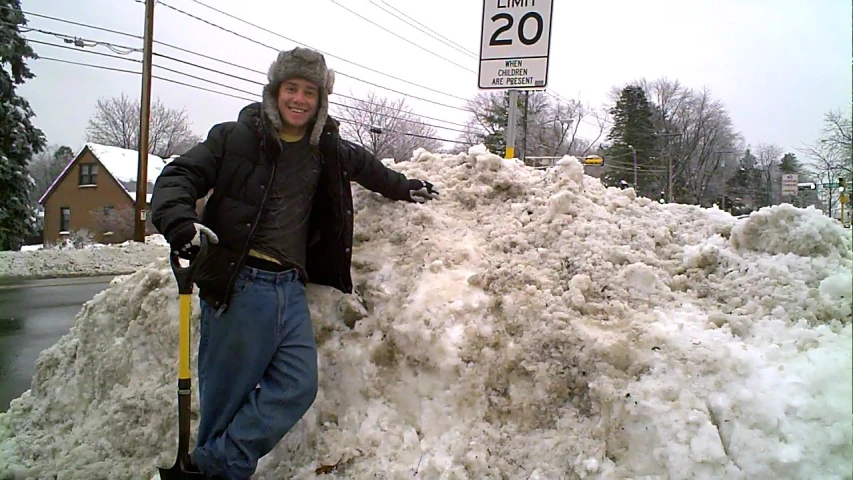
375	131
634	154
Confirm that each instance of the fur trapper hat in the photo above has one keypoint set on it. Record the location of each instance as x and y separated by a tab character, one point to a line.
299	63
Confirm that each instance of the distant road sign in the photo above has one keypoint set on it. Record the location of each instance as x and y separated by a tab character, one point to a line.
515	43
790	183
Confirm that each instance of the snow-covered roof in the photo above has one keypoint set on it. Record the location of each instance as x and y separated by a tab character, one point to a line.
148	196
121	163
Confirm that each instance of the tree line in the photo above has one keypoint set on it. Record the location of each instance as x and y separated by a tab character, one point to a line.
670	142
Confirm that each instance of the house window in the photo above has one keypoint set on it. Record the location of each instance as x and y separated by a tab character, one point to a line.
108	210
64	219
88	174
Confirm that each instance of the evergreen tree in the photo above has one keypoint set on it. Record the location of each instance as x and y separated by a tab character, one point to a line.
745	187
633	131
491	111
495	121
19	139
790	164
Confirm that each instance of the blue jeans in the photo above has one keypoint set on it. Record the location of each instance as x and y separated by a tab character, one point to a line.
266	338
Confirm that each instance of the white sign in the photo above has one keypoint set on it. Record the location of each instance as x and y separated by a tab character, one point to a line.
515	42
790	183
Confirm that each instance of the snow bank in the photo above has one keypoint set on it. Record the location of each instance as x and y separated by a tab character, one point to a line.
530	324
97	259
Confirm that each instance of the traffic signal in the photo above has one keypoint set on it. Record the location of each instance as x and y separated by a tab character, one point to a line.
842	182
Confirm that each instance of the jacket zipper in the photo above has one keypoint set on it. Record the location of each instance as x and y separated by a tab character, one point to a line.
251	236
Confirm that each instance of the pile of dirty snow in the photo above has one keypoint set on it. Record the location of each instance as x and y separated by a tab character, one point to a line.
529	324
92	260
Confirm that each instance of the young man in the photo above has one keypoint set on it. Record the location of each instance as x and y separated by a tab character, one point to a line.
280	215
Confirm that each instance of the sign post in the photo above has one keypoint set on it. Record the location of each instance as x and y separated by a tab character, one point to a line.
515	43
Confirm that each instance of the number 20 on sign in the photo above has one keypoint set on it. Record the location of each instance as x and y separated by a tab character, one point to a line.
515	43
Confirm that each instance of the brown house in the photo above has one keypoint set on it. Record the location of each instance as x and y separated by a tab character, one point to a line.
96	193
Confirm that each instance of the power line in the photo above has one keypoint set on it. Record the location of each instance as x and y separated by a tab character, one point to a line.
104	67
351	107
403	38
225	62
78	50
71	22
262	73
467	110
208	57
79	42
33	14
470	52
321	51
423	28
468	127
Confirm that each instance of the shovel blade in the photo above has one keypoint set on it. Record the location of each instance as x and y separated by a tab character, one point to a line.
179	472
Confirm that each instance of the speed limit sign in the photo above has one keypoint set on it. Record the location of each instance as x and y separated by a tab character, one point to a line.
515	42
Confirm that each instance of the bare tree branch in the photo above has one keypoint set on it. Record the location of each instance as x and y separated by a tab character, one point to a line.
402	130
116	123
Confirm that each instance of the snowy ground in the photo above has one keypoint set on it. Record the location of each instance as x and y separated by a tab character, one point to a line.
95	259
528	325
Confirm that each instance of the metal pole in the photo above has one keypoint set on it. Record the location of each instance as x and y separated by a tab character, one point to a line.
669	178
829	199
512	121
634	153
524	138
140	209
724	182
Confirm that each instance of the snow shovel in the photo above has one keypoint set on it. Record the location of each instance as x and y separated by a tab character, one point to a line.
183	467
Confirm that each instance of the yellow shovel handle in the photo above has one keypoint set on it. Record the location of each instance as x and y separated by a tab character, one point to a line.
184	337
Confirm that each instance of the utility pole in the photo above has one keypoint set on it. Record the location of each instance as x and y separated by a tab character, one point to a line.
140	210
512	121
668	153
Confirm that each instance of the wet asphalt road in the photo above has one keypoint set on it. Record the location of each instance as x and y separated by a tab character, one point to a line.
33	316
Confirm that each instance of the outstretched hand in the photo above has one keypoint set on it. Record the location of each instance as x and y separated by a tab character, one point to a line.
420	191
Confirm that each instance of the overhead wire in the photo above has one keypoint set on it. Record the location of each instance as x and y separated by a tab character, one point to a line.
122	49
424	29
176	9
403	38
208	57
234	17
467	127
551	92
195	77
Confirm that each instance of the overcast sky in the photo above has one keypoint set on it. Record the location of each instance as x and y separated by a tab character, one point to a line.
778	65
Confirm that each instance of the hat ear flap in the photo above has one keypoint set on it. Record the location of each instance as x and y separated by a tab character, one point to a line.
330	81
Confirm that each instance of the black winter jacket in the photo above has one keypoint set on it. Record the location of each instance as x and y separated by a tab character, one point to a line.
237	160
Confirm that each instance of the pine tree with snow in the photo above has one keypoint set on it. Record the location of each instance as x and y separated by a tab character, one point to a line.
19	139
